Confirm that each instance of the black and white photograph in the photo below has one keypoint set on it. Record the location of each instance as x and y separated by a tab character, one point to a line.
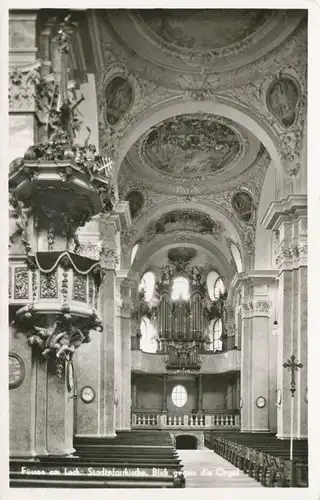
158	229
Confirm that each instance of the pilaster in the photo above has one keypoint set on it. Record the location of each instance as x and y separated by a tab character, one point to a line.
124	364
23	71
256	289
288	220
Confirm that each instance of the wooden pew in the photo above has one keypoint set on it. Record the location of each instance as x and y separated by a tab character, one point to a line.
264	457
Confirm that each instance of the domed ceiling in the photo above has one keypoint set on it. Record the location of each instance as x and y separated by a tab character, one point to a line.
220	28
201	40
190	145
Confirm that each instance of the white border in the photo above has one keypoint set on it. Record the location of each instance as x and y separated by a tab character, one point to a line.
314	211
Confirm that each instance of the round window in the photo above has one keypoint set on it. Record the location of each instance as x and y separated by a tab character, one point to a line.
179	396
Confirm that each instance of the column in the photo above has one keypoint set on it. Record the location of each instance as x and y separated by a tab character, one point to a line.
246	367
165	392
238	388
118	356
108	225
125	375
200	393
260	360
288	219
230	329
255	289
230	396
133	394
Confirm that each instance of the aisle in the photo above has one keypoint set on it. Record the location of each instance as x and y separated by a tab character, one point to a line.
206	469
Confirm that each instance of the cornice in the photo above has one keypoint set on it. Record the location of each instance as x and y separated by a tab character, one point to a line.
250	278
293	205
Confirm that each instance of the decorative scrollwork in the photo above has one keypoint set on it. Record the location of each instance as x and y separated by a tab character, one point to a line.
48	285
79	290
21	283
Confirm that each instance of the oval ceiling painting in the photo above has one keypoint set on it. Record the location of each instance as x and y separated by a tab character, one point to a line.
242	205
219	28
119	97
136	201
190	145
282	100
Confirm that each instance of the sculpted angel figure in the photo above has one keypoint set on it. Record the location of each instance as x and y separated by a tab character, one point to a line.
70	340
21	215
41	337
53	340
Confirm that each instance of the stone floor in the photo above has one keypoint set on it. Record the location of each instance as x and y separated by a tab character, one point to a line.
206	469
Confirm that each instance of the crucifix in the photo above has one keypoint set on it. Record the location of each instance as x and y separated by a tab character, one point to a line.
66	107
292	366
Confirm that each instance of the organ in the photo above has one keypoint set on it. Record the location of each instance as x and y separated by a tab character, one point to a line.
183	319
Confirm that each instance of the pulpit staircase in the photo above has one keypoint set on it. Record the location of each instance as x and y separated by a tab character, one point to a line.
136	459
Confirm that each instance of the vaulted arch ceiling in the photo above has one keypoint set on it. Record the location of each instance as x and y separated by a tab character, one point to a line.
183	99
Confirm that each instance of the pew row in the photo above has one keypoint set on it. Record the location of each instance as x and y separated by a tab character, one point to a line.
104	463
264	457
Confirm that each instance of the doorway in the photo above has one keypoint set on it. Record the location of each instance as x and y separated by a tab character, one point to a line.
186	442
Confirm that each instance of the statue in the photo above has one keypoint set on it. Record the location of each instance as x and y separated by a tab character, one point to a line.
21	215
54	341
196	276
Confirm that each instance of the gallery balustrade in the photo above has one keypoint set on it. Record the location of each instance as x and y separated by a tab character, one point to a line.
221	419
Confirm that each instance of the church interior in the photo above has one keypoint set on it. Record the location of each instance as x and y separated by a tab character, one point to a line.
158	248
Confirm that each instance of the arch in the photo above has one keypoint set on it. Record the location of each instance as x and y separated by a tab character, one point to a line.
213	210
217	256
186	442
236	256
219	106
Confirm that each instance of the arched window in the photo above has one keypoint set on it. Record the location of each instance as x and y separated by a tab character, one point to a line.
215	285
211	279
148	341
179	396
147	284
210	344
218	288
217	332
237	257
134	252
180	289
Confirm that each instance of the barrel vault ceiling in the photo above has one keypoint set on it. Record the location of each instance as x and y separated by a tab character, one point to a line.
189	160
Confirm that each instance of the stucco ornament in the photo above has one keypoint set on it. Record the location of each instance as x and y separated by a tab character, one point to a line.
166	59
23	83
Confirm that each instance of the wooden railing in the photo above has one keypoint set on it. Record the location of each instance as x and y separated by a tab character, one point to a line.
228	419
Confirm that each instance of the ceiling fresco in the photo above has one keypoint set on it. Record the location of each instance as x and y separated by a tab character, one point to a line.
219	28
198	40
190	145
154	66
185	220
